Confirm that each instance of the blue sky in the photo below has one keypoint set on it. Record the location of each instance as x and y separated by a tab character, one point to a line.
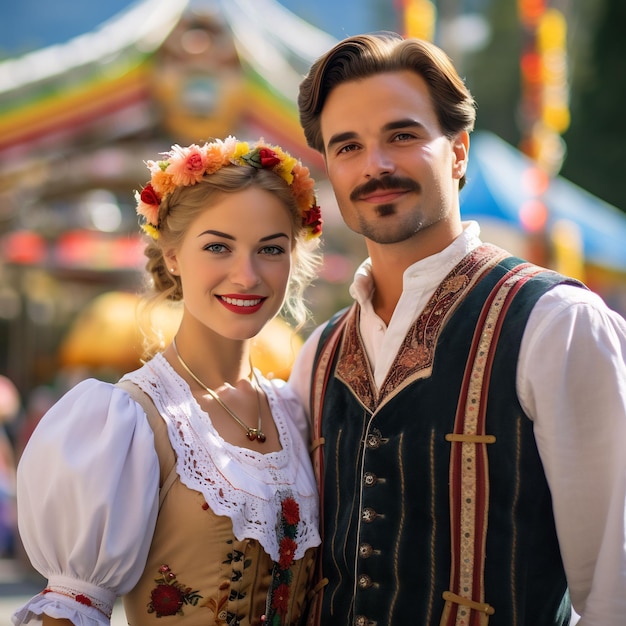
27	25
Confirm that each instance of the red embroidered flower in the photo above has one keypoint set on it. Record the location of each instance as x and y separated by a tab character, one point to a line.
291	511
268	157
82	599
169	596
280	599
287	551
166	600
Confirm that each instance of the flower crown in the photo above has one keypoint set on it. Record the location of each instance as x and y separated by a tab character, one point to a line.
187	166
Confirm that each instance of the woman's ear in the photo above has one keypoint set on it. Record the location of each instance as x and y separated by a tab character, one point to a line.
171	262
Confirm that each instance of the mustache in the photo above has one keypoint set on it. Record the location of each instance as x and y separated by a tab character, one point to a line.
384	184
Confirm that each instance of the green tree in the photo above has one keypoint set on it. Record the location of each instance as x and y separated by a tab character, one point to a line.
493	73
595	139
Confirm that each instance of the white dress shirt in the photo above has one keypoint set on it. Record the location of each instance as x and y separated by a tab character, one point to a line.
571	382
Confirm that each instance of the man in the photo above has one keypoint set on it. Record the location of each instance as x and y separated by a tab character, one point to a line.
469	410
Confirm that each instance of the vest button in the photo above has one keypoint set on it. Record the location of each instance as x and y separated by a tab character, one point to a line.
368	515
365	550
374	439
364	581
370	479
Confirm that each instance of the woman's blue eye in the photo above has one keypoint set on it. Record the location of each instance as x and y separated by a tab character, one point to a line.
216	248
272	250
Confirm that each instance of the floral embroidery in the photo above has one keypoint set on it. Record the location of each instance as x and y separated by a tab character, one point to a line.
287	550
227	602
169	596
278	595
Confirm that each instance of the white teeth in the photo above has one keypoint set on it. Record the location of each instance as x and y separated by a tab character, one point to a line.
237	302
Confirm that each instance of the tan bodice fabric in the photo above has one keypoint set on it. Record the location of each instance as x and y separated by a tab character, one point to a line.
198	573
196	566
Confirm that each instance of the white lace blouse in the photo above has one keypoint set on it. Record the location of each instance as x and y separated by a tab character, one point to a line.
88	486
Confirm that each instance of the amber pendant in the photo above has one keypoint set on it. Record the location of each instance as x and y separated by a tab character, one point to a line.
254	434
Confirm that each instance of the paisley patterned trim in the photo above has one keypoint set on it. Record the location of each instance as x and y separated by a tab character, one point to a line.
415	357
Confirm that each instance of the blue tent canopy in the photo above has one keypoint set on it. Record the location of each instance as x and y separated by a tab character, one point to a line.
497	189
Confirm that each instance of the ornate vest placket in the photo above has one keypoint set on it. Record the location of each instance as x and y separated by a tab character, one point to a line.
368	549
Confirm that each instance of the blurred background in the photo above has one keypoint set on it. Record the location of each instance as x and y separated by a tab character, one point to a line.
88	91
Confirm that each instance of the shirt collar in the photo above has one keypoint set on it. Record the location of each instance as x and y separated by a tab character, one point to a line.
432	269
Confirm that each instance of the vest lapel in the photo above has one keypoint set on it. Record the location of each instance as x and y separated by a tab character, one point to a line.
415	357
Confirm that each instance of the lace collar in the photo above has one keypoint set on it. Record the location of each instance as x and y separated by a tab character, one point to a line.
247	486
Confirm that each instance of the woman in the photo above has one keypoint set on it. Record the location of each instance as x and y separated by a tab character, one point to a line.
206	514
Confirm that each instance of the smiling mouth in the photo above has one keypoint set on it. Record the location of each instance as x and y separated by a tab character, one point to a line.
245	302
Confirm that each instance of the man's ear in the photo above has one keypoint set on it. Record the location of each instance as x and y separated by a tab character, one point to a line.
460	149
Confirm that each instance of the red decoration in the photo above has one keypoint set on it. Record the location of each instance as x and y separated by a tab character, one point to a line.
166	600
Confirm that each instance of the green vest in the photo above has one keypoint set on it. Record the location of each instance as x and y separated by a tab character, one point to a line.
385	468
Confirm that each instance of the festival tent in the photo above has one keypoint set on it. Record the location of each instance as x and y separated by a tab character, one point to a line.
505	187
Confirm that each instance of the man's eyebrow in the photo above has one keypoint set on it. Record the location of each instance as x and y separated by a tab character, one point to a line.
340	138
404	123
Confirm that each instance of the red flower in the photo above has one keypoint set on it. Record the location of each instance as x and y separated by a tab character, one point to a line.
291	511
268	157
82	599
280	599
312	216
149	195
287	551
166	600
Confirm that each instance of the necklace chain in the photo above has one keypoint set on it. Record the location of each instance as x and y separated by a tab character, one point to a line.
253	434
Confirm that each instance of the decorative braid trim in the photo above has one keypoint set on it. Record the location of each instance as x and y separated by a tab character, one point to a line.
81	598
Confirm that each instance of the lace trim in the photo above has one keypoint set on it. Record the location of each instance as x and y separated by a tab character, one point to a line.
245	485
81	598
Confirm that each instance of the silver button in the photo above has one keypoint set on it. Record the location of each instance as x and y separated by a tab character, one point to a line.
368	515
370	479
374	439
365	550
364	581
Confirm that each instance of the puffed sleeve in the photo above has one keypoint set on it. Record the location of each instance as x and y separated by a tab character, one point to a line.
87	494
